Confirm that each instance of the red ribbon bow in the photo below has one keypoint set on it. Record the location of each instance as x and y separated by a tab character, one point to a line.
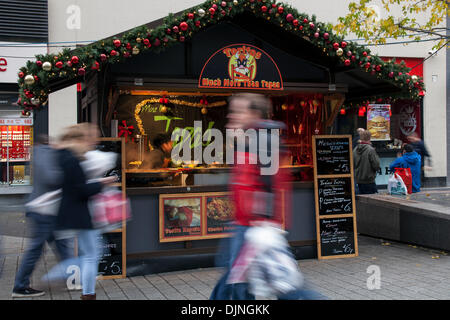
125	130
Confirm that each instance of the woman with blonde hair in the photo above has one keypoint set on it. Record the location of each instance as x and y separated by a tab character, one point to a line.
74	219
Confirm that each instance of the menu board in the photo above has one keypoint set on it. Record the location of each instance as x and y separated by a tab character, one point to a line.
111	263
332	155
335	197
182	217
337	236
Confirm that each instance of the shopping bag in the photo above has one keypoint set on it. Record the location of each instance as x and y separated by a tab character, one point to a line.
109	209
396	186
405	174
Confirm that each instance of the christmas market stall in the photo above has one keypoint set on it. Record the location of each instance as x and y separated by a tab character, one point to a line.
178	72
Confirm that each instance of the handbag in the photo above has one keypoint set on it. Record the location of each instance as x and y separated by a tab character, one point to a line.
109	209
405	174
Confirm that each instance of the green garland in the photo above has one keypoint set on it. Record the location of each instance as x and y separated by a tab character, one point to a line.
70	64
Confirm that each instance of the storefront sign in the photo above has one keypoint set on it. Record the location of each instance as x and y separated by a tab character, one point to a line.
335	197
16	121
379	121
241	66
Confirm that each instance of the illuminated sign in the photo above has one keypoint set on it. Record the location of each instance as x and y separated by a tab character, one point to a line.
241	66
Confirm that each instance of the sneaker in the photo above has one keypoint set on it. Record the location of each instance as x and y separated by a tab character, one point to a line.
27	292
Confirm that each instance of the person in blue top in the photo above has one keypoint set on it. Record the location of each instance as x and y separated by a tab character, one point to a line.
409	159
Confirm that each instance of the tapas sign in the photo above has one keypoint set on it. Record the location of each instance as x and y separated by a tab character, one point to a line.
241	66
334	197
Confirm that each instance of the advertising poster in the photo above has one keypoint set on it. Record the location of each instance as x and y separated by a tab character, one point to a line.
182	217
219	214
379	121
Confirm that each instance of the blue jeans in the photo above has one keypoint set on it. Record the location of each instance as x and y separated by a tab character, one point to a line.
90	251
42	232
228	252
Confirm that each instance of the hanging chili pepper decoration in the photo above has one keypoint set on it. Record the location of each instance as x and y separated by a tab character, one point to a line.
125	130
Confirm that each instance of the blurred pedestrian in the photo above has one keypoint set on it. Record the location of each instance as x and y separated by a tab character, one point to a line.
366	163
74	218
419	146
257	200
41	210
409	159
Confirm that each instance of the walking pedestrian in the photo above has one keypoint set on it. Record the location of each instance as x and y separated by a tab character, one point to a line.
366	164
41	210
257	198
419	146
74	219
409	159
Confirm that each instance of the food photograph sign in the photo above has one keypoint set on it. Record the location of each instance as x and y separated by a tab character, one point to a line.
379	121
195	216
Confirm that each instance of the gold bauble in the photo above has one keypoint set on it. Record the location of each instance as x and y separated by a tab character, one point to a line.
339	52
46	66
163	109
235	2
135	50
138	40
204	110
29	79
284	106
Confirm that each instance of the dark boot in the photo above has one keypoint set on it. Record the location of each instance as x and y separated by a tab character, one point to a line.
89	297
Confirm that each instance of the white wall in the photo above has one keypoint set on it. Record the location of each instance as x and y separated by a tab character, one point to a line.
103	18
62	110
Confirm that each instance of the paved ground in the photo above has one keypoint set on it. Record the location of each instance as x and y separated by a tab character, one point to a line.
406	272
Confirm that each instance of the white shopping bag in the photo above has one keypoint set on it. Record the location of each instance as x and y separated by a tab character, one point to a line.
396	185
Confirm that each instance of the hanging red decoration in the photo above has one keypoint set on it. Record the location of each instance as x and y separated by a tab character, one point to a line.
342	111
125	130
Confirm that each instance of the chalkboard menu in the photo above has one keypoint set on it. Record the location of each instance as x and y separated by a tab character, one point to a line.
335	197
332	155
337	236
111	263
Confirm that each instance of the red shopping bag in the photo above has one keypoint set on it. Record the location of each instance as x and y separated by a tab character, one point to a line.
405	174
110	209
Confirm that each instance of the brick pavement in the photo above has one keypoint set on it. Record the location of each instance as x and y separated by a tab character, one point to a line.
407	272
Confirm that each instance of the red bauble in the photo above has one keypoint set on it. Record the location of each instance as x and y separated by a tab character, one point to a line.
39	63
349	53
289	17
184	26
367	65
316	35
95	65
223	4
81	72
113	53
264	9
343	44
175	29
103	57
378	68
295	22
222	12
305	21
117	43
36	78
364	54
59	64
146	42
400	73
166	39
197	23
74	60
311	25
21	74
168	31
128	46
408	80
182	38
191	16
157	42
69	63
280	10
214	6
335	46
326	35
274	5
353	58
300	28
391	74
212	11
347	62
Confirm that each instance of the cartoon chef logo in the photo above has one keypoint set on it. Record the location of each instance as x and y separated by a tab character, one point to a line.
242	63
